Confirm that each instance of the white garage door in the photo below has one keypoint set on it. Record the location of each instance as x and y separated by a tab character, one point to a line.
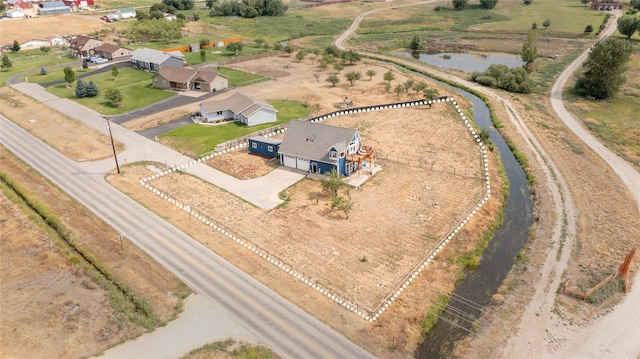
289	161
303	164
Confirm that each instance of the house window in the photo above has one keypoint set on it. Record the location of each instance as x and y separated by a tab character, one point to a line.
270	148
164	82
219	113
333	155
254	145
341	154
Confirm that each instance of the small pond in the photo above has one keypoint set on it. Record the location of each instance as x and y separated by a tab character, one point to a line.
467	62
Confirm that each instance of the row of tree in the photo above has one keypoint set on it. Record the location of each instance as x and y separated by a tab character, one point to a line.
246	8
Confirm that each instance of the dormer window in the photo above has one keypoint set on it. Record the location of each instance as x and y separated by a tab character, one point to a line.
333	154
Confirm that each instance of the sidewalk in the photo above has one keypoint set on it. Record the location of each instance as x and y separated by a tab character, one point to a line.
261	192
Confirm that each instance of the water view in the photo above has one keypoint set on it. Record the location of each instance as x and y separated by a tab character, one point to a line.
467	62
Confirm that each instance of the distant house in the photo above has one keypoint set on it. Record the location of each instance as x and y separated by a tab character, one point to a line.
83	46
194	47
183	79
126	13
19	4
35	43
169	17
154	60
607	5
112	52
53	8
318	148
14	13
239	107
264	146
78	4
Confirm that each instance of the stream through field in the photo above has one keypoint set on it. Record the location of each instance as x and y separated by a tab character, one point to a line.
473	293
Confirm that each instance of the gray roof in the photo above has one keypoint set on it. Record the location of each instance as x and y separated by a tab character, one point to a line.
267	140
313	140
239	104
152	56
53	5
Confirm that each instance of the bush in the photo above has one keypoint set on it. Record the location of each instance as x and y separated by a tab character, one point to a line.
500	76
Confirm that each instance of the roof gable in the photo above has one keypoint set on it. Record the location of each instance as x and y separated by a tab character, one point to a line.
177	74
238	103
313	140
126	10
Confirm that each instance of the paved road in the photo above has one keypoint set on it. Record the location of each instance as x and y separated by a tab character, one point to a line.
287	329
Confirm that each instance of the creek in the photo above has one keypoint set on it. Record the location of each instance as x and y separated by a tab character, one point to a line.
474	292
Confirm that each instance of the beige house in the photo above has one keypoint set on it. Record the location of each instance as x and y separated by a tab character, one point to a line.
83	46
184	79
113	52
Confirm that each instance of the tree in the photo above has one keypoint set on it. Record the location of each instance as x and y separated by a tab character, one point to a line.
350	56
204	42
142	15
604	69
180	4
194	16
332	183
635	4
398	89
316	52
92	89
546	23
353	76
430	94
527	2
534	26
203	55
459	4
585	2
338	67
419	86
114	96
370	73
408	85
387	87
81	89
301	55
529	48
43	71
69	75
628	25
210	3
277	46
488	4
333	79
16	46
416	42
234	47
588	29
6	62
85	63
114	71
45	49
289	49
342	204
389	76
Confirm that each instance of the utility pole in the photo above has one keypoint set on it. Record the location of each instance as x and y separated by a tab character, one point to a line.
113	145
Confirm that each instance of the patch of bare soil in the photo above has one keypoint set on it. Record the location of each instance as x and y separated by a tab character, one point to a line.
39	27
69	137
50	307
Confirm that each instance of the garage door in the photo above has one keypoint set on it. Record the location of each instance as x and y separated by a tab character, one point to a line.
303	164
289	161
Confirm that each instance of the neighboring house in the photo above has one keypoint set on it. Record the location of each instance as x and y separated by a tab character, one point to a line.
112	52
58	41
126	13
317	148
184	79
154	60
53	8
607	5
264	146
239	107
78	4
35	44
169	16
14	13
19	4
194	47
83	46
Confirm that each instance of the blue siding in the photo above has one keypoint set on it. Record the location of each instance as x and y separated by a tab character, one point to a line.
262	148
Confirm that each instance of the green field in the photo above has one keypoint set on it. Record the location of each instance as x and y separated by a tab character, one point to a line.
241	78
200	140
32	60
135	86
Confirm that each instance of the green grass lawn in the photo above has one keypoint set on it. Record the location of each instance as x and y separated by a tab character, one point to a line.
54	74
569	16
200	140
240	78
615	122
135	86
32	60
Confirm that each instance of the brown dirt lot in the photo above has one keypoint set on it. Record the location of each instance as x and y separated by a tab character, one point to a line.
50	307
40	27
